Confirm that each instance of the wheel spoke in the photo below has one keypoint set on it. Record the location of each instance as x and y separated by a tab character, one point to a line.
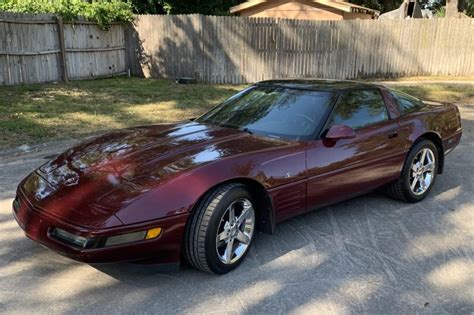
430	157
242	237
231	213
428	167
222	236
423	156
423	184
413	184
245	214
229	251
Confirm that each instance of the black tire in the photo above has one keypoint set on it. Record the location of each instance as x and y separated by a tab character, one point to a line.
202	227
400	189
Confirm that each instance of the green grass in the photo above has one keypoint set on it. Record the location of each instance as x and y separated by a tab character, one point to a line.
454	93
42	112
443	78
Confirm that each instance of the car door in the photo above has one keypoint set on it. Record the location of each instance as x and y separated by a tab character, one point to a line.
343	168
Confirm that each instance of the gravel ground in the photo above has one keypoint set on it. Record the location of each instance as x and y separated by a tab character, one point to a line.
367	255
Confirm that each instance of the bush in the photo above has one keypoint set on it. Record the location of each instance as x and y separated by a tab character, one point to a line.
103	12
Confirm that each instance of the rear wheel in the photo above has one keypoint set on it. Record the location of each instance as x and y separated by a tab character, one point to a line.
221	229
418	174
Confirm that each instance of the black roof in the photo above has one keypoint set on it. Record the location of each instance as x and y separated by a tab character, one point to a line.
320	84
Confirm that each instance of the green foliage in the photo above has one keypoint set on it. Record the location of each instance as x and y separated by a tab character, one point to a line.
103	12
208	7
441	12
436	6
469	7
148	7
221	7
106	11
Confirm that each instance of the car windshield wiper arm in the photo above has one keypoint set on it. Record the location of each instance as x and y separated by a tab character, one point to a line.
225	125
247	130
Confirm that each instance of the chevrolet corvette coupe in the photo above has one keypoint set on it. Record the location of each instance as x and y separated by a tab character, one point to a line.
197	191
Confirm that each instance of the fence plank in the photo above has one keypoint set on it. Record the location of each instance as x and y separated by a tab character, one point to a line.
62	51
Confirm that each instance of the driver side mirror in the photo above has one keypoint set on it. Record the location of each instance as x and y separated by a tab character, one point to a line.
340	132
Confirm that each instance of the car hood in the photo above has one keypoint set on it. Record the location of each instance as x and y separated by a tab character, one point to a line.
88	184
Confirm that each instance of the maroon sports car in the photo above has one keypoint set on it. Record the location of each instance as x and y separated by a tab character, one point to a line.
199	190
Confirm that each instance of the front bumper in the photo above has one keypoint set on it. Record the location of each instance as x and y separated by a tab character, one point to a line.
165	249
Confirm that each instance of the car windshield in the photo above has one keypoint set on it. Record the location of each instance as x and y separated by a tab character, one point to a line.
273	111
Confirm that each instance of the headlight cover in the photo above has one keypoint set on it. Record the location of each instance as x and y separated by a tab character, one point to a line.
75	240
87	243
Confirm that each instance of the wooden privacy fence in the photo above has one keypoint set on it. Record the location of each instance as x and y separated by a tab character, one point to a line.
41	48
241	50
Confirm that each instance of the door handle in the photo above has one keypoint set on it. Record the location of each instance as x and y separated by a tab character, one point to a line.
392	135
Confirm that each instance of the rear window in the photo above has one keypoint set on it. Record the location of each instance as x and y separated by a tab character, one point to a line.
406	103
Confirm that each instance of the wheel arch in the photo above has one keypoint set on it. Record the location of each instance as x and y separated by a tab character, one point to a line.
264	207
436	139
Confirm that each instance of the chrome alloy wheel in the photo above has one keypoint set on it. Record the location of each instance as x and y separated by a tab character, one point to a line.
235	231
422	171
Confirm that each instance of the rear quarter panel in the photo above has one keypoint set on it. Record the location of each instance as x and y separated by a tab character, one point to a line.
443	119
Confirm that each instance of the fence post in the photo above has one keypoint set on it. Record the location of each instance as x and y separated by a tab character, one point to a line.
9	73
62	54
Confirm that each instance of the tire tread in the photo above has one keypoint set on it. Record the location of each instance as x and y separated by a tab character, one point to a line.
397	189
195	234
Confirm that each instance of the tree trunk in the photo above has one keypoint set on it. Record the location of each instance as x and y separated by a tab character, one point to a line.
452	8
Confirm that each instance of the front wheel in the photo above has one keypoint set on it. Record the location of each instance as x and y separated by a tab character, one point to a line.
418	174
221	229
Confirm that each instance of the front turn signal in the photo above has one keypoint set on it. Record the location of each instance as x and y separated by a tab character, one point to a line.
153	233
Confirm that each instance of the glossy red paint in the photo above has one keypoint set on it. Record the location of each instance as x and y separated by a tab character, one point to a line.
152	176
165	249
355	166
338	132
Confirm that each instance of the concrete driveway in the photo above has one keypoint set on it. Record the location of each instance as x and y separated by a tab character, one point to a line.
367	255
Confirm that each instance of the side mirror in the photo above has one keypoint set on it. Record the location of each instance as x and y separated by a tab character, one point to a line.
340	132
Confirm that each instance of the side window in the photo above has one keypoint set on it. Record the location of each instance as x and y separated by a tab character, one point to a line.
358	109
406	103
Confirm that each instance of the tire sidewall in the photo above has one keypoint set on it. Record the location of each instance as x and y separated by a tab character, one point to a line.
407	169
212	258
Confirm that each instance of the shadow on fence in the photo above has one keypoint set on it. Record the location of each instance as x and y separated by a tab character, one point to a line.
241	50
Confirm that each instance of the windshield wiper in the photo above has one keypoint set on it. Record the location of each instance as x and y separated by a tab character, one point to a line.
226	125
247	130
